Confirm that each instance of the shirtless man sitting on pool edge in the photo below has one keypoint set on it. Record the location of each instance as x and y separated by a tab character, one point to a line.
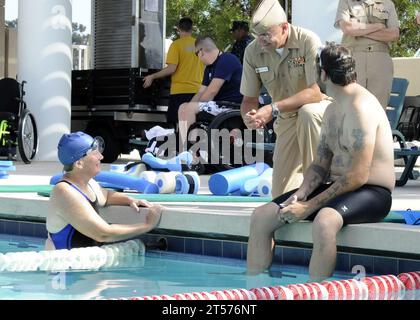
350	180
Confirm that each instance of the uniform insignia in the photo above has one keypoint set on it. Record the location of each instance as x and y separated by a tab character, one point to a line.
261	69
296	62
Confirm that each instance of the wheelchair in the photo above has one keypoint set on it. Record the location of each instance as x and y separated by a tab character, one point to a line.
230	122
18	131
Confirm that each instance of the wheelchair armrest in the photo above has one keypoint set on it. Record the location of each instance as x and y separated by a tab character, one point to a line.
229	104
400	138
261	146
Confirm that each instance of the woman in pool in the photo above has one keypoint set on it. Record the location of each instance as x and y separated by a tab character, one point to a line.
73	220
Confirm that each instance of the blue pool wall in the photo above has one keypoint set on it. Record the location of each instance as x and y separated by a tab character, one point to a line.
237	250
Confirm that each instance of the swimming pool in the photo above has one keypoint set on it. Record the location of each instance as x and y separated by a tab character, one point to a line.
158	273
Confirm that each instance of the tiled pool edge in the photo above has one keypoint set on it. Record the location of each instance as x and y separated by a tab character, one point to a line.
237	250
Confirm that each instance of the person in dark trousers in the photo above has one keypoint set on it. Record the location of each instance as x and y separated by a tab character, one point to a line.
240	31
184	67
221	82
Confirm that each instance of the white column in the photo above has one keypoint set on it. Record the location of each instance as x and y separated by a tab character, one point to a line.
45	62
80	59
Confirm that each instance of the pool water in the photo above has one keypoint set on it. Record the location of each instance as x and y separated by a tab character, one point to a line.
157	273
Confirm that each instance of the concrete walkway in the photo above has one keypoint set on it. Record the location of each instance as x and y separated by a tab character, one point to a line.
39	173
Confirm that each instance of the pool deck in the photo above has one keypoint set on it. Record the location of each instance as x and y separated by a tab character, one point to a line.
228	221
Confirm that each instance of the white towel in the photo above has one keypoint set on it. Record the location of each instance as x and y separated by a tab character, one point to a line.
158	131
212	108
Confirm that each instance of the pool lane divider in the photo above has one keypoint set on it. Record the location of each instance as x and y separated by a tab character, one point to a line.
90	258
411	280
385	287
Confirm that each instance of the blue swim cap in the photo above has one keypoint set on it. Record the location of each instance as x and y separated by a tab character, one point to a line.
73	146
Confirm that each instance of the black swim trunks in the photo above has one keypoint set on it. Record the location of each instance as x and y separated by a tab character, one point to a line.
369	203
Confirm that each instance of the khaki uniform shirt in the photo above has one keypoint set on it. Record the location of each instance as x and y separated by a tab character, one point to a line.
367	11
283	76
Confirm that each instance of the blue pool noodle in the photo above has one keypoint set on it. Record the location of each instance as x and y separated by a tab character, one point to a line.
173	164
4	175
127	182
225	182
54	179
250	186
119	181
184	184
410	217
7	168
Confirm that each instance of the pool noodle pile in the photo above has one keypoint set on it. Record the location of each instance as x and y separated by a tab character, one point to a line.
233	181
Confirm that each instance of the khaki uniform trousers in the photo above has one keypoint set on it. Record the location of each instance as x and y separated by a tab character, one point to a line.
296	145
375	71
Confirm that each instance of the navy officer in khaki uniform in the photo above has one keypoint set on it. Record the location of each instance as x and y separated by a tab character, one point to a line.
283	59
369	26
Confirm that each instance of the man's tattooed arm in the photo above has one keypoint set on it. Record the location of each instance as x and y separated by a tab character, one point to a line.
318	172
356	175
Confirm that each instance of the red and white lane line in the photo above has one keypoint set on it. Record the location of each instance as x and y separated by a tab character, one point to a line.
385	287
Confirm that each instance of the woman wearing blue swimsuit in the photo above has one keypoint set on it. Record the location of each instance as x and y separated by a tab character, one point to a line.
73	220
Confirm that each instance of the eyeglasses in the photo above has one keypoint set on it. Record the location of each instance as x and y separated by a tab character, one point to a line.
266	35
198	51
94	146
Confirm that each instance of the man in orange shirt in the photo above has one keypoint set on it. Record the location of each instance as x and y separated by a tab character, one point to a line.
184	67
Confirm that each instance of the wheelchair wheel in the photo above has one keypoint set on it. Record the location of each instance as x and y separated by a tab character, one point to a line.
233	123
27	136
202	158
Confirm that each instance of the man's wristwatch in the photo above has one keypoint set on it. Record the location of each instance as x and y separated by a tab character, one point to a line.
275	112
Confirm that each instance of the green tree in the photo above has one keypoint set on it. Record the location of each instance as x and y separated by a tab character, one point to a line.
210	17
12	23
409	40
214	18
79	36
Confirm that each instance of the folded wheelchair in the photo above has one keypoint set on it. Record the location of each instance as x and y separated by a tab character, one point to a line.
18	131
